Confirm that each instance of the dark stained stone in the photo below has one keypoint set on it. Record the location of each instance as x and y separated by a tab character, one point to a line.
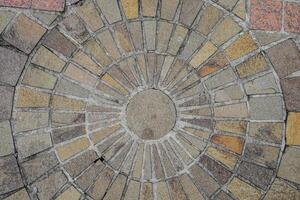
11	65
6	101
75	166
218	171
285	58
64	134
38	165
259	176
60	43
291	92
10	177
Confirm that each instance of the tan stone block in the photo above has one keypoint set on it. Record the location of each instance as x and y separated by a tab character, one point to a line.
30	98
252	66
168	8
240	9
203	54
88	12
293	129
38	78
162	192
137	171
234	110
111	82
85	61
189	188
232	143
70	149
133	190
19	195
242	190
94	49
103	133
239	127
65	103
45	58
149	7
289	166
131	8
26	121
226	158
240	47
280	190
70	193
79	75
224	31
146	191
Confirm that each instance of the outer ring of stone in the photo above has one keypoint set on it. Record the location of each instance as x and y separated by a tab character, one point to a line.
151	114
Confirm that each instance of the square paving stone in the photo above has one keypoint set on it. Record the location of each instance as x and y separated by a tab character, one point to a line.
24	33
6	142
10	177
38	165
6	99
11	65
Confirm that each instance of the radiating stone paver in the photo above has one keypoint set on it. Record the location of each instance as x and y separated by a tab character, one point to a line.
149	99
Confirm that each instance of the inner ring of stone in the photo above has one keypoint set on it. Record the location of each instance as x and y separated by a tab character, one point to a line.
150	114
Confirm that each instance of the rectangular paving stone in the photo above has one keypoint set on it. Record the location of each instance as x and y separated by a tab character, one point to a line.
30	98
53	5
158	169
11	65
6	142
10	177
68	133
33	143
237	127
131	8
80	75
70	193
94	49
232	143
76	165
215	63
189	187
72	148
207	50
17	3
162	192
26	121
203	180
177	39
116	189
150	32
292	129
65	103
135	29
45	58
189	11
230	93
194	41
176	190
228	159
252	66
133	190
48	186
270	108
149	7
256	174
163	35
86	62
222	78
123	37
98	189
224	31
240	47
167	165
269	132
263	154
178	165
24	33
59	42
209	17
110	9
67	87
38	165
108	42
146	191
6	102
238	110
89	14
262	85
223	196
39	78
168	9
62	119
88	177
242	190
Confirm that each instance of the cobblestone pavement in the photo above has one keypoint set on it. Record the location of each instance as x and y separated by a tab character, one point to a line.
149	99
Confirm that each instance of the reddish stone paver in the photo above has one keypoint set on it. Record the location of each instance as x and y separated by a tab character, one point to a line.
266	14
49	5
292	17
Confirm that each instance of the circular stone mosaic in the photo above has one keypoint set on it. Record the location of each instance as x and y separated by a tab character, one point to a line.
177	105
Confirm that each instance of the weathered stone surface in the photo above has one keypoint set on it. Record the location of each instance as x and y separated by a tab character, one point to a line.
252	66
131	8
116	189
110	9
291	17
93	48
10	177
262	85
256	174
70	193
70	149
168	8
38	165
290	87
194	41
65	134
39	78
218	171
189	188
47	187
109	43
203	180
19	195
281	190
132	191
269	132
162	191
6	102
238	110
238	127
80	75
29	98
176	190
123	37
176	40
67	87
207	50
289	166
189	11
262	108
146	191
11	65
24	33
59	42
149	7
135	29
232	143
222	78
26	121
5	18
227	4
6	142
215	63
33	143
150	33
61	119
65	103
228	159
293	127
242	190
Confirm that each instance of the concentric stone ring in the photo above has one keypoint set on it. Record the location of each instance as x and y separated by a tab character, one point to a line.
148	99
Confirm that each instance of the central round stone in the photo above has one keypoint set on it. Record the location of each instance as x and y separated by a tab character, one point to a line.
151	114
